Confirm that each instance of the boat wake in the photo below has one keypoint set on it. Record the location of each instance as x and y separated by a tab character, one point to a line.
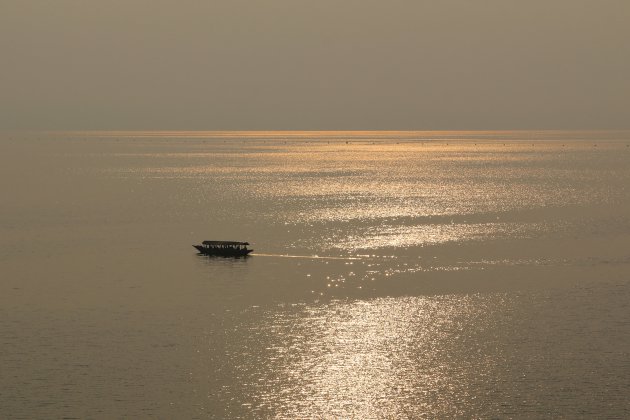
311	257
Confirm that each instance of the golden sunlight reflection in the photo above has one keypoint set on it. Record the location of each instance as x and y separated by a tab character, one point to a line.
382	358
405	236
342	191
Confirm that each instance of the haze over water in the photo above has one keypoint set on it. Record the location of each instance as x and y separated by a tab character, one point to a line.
395	274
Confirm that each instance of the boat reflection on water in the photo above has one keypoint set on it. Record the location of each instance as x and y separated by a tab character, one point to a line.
224	248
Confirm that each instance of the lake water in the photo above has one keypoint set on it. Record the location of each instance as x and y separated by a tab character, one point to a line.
395	275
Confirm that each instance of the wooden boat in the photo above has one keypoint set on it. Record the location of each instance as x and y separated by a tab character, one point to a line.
224	248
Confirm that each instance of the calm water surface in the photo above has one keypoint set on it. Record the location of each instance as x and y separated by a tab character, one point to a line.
395	275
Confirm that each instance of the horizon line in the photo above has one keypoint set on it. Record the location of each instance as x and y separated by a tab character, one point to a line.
327	132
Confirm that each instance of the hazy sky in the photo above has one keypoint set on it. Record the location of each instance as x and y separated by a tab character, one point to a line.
291	64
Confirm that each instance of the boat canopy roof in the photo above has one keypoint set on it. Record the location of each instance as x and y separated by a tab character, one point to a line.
232	243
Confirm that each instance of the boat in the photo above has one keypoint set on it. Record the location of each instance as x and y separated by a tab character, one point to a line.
224	248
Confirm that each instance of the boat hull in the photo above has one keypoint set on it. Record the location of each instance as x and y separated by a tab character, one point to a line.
225	252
